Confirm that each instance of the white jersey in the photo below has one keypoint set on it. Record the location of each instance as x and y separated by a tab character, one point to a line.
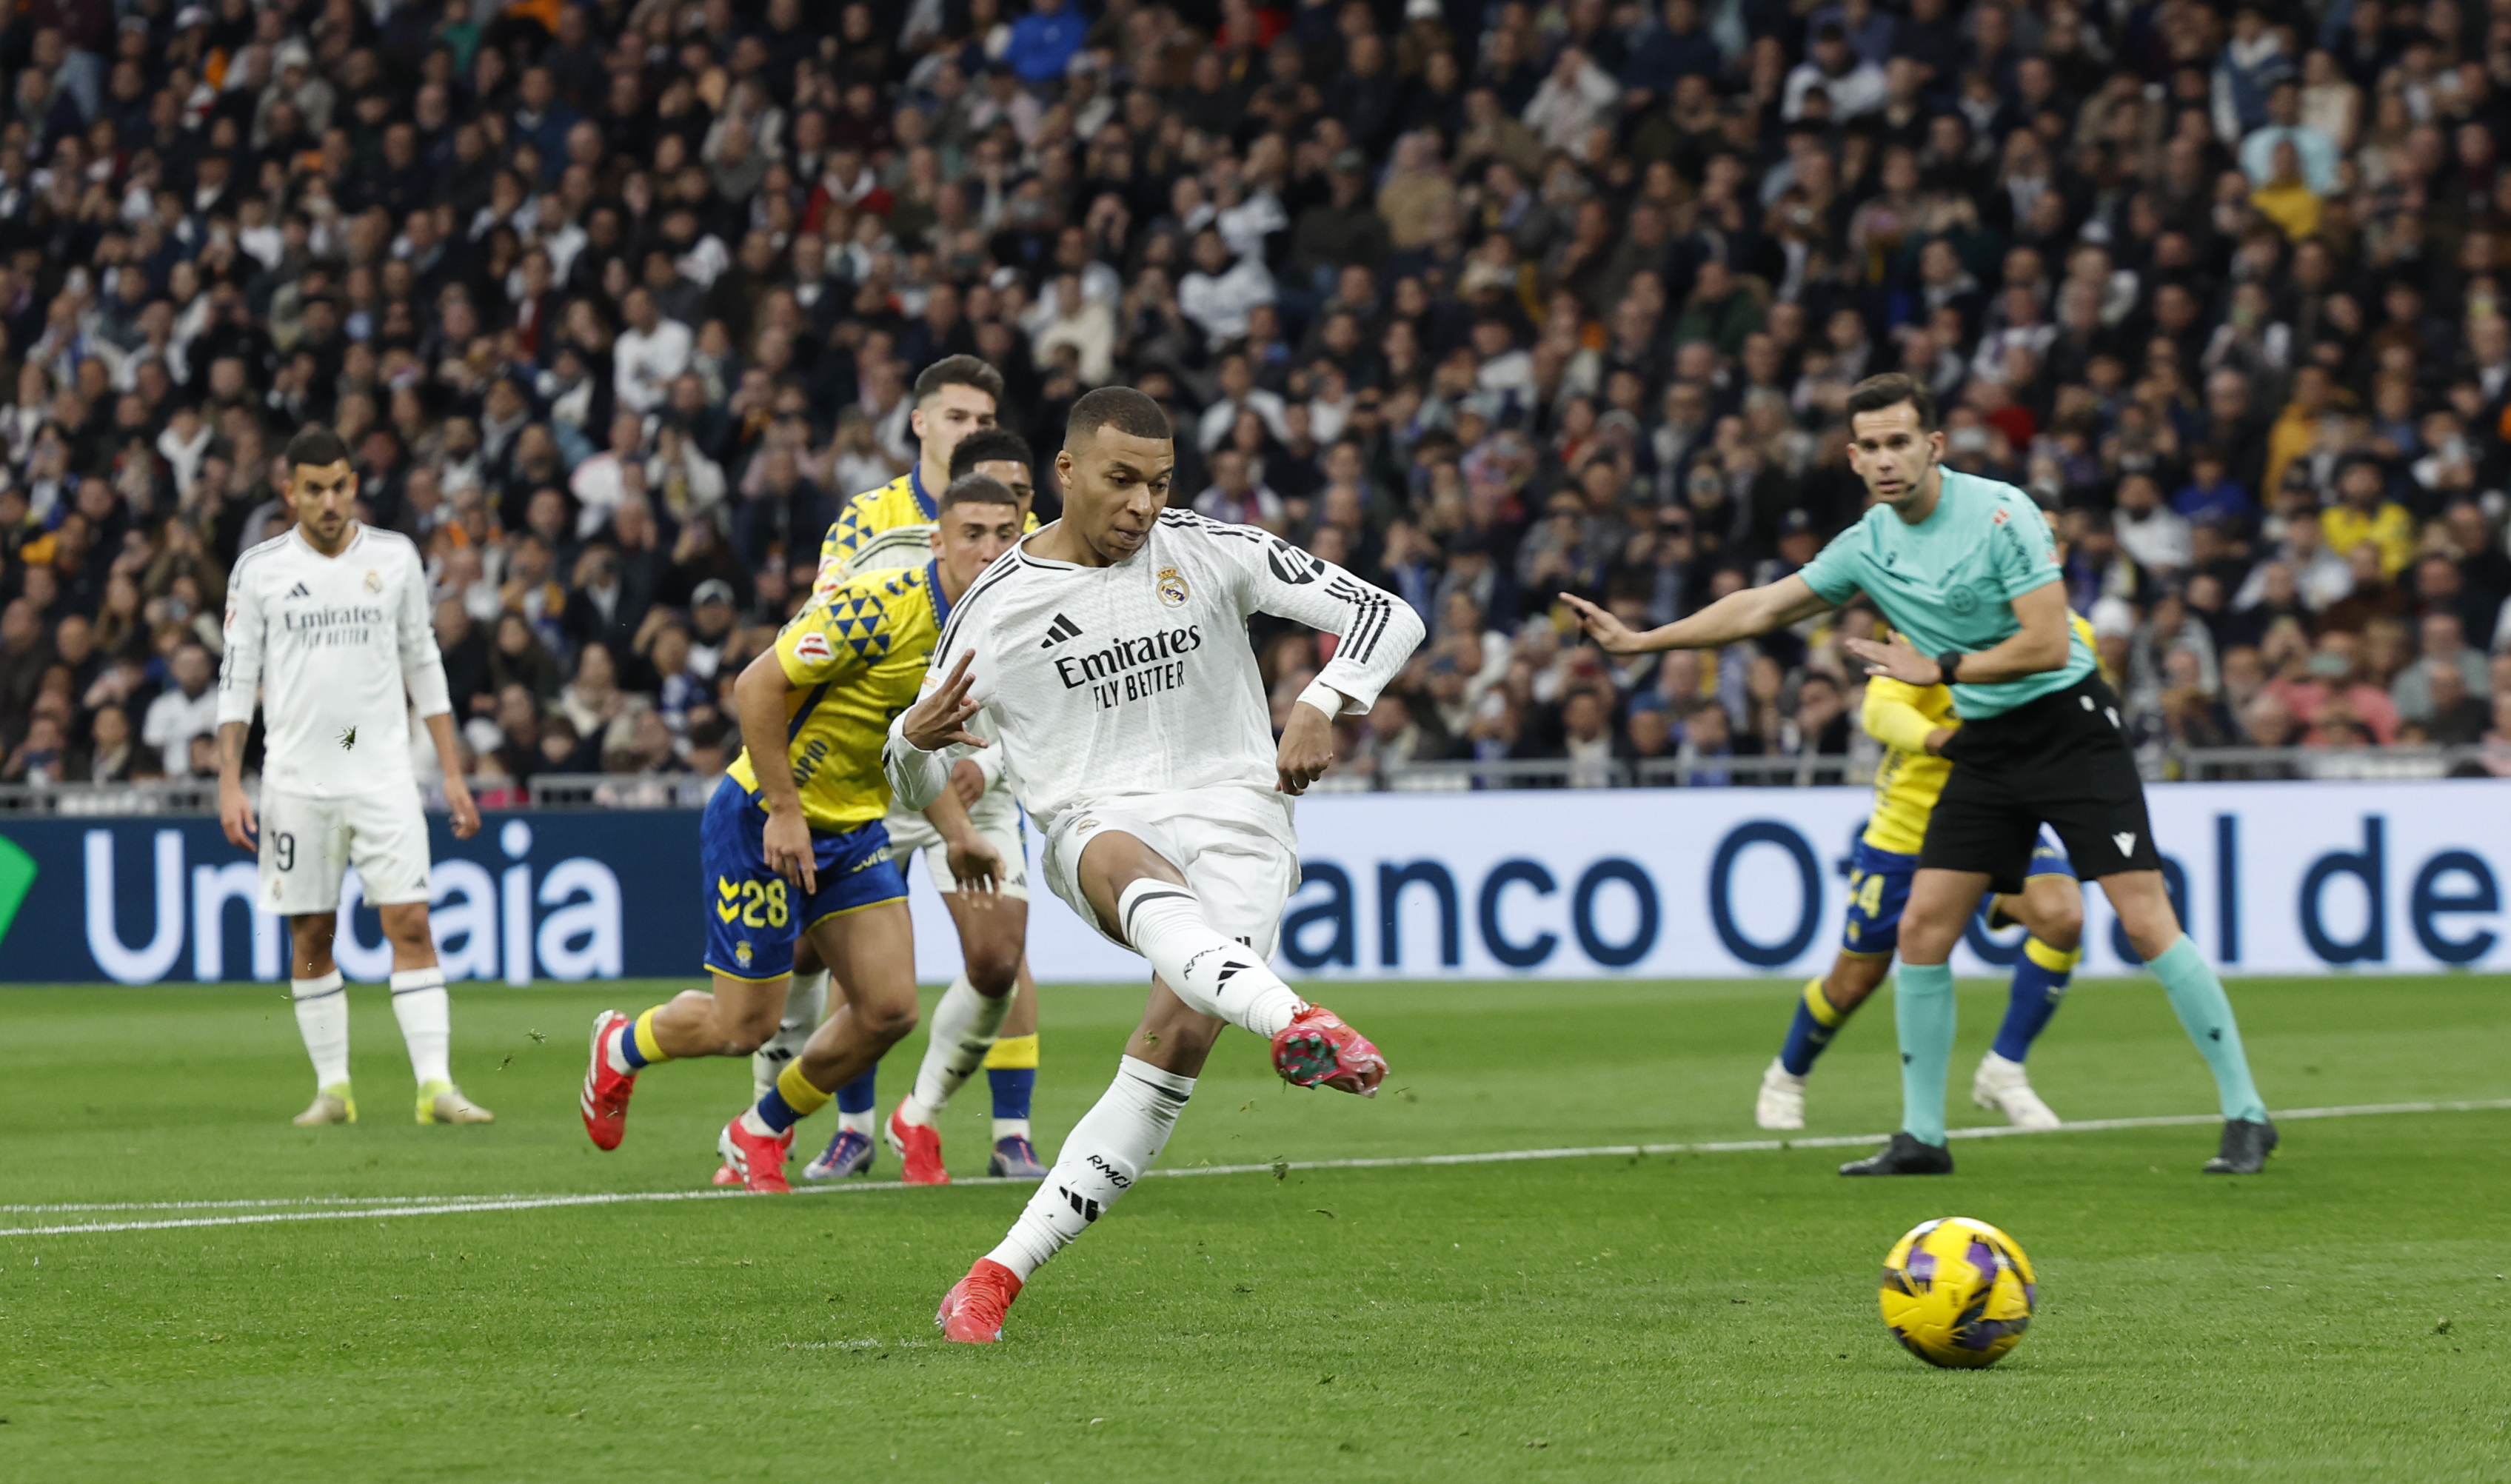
1106	683
329	642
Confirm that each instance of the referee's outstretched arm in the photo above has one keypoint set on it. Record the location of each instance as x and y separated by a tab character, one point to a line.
1743	614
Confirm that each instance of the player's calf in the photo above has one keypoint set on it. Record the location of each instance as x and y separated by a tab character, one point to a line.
1106	1154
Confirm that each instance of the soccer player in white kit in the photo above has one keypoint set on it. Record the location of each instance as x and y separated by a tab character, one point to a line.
1109	653
329	622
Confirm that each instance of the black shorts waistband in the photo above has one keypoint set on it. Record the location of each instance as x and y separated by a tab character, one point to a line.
2037	712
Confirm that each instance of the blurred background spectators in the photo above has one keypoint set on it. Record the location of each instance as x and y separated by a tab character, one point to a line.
614	302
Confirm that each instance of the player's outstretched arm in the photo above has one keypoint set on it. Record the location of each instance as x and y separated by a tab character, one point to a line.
1378	630
1744	614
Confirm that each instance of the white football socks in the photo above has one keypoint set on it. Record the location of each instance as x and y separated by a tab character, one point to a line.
1207	969
1102	1158
806	1005
964	1026
426	1015
323	1019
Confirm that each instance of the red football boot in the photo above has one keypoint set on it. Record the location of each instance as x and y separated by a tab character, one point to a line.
920	1150
759	1162
972	1312
604	1101
1316	1049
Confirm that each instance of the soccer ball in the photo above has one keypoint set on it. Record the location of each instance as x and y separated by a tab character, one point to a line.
1957	1292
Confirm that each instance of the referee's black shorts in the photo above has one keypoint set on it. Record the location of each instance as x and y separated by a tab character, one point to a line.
2061	761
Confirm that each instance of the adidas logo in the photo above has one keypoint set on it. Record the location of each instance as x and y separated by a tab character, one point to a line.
1082	1206
299	591
1059	631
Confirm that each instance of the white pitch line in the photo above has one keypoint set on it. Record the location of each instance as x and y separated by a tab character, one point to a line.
378	1208
222	1205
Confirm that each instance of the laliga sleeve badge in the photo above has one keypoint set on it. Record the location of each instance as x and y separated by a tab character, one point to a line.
1171	587
814	647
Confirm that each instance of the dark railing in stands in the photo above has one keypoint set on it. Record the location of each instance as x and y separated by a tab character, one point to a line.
667	791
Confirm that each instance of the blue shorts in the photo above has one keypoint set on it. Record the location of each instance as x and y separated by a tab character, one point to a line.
1878	888
753	915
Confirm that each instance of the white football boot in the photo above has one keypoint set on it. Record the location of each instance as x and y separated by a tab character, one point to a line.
444	1103
2002	1086
334	1103
1781	1104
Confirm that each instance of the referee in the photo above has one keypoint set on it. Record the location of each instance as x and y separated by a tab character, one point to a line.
1964	567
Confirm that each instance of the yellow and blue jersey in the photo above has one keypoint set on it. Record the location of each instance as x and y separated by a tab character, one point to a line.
884	528
856	656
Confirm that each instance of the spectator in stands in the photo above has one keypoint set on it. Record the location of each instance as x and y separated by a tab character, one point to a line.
2418	693
187	709
1480	301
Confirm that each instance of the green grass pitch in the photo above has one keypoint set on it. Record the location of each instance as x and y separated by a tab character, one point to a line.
1694	1316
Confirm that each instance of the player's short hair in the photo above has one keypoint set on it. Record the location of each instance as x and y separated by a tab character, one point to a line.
1121	407
990	446
1890	390
316	447
978	490
958	371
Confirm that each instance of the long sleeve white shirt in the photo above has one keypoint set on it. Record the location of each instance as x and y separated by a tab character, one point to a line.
330	643
1103	682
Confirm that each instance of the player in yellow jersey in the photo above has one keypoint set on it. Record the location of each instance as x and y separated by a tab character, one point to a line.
796	847
891	525
1913	722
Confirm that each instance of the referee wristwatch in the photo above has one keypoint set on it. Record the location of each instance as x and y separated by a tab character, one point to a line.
1947	664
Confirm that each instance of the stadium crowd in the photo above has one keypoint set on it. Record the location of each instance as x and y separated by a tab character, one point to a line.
616	302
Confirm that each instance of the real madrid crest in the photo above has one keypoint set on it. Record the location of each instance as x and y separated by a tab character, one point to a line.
374	580
1171	587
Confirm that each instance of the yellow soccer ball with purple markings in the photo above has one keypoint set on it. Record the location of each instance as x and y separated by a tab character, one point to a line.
1957	1292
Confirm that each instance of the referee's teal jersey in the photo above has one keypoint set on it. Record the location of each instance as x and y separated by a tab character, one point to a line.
1949	581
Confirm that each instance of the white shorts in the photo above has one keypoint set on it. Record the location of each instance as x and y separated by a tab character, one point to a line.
1235	846
997	818
306	844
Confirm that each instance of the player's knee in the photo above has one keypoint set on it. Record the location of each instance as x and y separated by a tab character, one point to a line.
739	1031
993	971
1927	942
888	1018
2062	927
